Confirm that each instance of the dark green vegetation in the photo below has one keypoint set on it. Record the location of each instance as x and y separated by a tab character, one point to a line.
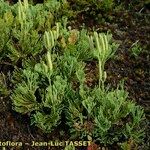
62	70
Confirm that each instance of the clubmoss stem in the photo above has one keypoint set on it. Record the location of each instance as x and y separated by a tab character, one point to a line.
49	61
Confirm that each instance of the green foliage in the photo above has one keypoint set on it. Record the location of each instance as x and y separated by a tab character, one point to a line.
6	22
69	147
136	49
42	100
101	115
49	73
106	5
113	110
83	48
25	32
4	7
133	128
22	28
53	103
99	112
76	51
76	44
23	97
46	122
31	96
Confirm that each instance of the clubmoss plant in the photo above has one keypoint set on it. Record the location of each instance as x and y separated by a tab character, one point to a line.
103	114
6	25
103	51
24	100
75	52
110	124
43	101
4	7
23	26
49	40
52	78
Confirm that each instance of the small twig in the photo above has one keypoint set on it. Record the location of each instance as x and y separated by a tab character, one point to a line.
6	63
141	10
